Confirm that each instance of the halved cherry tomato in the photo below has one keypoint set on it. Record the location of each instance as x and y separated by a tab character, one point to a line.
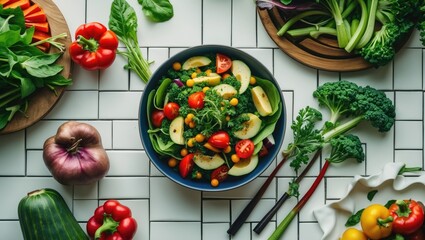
171	110
186	165
196	100
220	173
223	63
157	116
220	139
244	148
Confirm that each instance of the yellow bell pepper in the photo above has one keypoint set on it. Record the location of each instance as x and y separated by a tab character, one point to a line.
353	234
376	221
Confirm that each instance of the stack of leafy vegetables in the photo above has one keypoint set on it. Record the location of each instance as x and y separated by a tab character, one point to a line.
23	67
372	28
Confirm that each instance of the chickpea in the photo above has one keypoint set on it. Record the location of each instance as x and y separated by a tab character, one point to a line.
177	66
215	182
172	162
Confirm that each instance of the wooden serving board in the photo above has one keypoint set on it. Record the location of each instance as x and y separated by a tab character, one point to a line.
41	102
322	53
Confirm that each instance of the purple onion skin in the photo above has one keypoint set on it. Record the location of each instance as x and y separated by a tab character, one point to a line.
75	155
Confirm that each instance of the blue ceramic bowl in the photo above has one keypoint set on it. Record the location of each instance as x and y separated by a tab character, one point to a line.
257	69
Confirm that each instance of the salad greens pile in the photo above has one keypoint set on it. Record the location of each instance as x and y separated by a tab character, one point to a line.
216	121
24	68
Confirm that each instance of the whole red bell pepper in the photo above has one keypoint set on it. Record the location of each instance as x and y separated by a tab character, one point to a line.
94	47
112	221
408	216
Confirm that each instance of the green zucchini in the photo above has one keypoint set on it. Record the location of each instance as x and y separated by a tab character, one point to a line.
44	214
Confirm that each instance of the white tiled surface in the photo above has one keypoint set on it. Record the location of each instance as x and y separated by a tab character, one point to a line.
109	101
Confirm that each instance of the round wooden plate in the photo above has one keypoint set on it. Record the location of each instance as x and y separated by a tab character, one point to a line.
41	102
322	53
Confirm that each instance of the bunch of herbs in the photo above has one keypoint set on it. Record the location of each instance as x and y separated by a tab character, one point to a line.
23	67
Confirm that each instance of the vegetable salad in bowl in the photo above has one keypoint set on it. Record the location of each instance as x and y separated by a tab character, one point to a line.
214	122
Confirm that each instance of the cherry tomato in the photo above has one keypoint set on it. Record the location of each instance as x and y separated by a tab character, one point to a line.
244	148
223	63
196	100
157	116
171	110
186	165
220	139
220	173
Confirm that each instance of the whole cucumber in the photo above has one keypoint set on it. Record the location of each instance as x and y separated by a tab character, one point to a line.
44	215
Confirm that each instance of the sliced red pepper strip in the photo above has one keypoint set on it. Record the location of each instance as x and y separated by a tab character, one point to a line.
112	221
95	46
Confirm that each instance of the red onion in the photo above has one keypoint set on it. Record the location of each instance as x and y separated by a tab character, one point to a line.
178	82
269	141
75	155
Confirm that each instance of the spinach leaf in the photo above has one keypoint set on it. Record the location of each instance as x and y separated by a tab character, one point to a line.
354	219
27	86
42	66
123	20
371	194
157	10
12	59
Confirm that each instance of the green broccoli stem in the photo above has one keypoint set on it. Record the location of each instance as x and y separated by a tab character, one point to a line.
341	129
298	17
323	30
370	28
342	32
288	219
316	31
361	28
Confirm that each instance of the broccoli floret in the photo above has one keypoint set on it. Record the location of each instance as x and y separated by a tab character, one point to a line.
380	50
346	147
337	97
369	105
374	106
395	10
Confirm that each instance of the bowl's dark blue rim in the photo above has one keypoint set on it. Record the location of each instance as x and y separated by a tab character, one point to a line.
208	49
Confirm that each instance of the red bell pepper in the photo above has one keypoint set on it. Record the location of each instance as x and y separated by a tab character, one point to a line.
95	46
408	216
112	221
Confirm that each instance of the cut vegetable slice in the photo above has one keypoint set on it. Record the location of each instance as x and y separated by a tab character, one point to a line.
32	9
4	2
23	4
39	36
36	17
43	27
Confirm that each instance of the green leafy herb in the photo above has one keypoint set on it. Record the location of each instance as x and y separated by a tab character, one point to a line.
371	194
389	203
23	68
354	219
123	22
157	10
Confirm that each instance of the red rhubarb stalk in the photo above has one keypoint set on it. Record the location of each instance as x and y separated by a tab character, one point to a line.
288	219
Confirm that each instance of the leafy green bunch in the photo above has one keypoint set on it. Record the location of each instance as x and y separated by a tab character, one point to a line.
23	67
